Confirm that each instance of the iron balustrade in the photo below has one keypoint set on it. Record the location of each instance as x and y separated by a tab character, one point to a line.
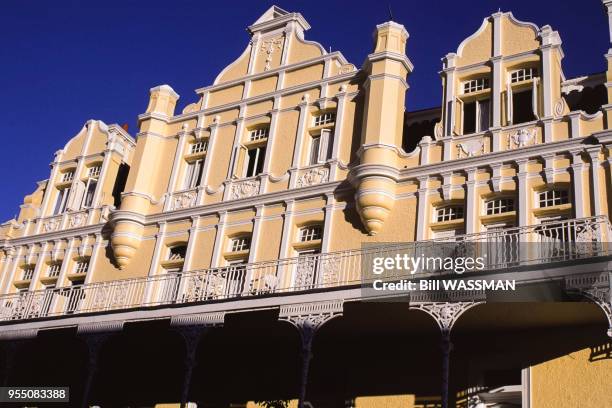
556	241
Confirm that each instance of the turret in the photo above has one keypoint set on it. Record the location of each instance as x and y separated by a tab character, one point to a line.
381	139
142	192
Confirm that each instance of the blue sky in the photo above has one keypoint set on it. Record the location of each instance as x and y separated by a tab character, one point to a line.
64	62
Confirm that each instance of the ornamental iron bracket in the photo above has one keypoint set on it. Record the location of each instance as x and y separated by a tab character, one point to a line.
595	287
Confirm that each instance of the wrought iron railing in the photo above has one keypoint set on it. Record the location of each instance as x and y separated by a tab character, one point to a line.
558	241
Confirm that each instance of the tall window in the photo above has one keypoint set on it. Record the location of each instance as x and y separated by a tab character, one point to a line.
320	147
476	116
324	119
255	161
499	206
61	201
194	174
90	191
522	106
240	244
550	198
448	213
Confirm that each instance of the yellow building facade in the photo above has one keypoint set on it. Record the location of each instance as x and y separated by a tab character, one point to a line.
249	214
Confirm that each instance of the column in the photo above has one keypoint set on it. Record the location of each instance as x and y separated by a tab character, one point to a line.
472	202
108	153
328	221
594	154
80	164
425	145
176	165
577	182
9	254
149	294
13	269
256	234
93	259
63	272
523	193
497	77
238	136
285	269
39	266
208	160
219	240
50	187
270	145
449	88
342	97
195	221
299	141
307	319
422	209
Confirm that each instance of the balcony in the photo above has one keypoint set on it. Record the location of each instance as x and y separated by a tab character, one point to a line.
503	250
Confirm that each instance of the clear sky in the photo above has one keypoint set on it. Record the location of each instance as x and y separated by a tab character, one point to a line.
64	62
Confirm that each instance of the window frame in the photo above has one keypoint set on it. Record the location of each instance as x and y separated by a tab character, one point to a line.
258	134
496	205
324	118
449	212
61	200
81	267
193	174
563	198
475	85
310	233
240	243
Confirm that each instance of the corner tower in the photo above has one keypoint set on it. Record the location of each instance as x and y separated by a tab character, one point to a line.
381	140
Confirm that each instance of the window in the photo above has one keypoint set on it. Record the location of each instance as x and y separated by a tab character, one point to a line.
198	147
310	233
523	74
475	85
61	201
499	206
67	176
177	252
28	272
522	106
94	171
476	116
255	161
320	147
315	145
240	244
324	118
194	174
449	213
90	191
258	134
551	198
81	267
54	270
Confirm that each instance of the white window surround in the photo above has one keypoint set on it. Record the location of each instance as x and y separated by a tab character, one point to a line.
258	133
240	244
324	118
448	213
499	205
254	160
475	85
552	197
514	77
319	147
310	233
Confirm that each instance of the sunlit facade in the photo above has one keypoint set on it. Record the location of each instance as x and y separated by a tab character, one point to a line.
215	257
